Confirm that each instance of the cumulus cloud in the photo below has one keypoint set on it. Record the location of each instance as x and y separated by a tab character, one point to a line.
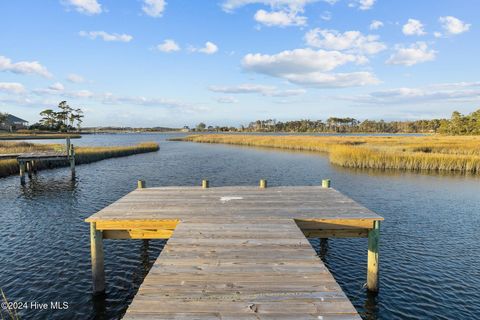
413	27
376	24
416	53
24	67
105	36
209	48
364	4
282	12
75	78
279	18
309	67
263	90
354	41
226	100
89	7
453	26
464	91
168	45
154	8
12	87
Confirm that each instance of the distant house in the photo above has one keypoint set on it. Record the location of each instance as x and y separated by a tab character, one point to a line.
13	123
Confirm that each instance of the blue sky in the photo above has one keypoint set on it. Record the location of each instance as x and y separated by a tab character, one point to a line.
179	62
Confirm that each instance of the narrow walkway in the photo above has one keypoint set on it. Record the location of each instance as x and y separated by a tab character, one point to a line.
228	270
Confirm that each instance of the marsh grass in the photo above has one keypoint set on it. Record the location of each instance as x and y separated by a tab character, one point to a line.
433	153
83	155
6	313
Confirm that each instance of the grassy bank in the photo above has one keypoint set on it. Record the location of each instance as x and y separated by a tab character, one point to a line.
435	153
34	136
82	154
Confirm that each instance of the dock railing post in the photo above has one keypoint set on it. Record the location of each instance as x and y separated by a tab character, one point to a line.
205	184
96	247
72	160
373	261
263	184
141	184
21	165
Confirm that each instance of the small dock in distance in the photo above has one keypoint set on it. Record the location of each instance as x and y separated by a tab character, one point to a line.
236	252
27	162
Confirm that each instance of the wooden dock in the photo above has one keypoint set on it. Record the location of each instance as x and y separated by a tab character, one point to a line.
236	252
27	162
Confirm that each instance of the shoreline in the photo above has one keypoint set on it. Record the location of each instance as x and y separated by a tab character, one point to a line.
431	153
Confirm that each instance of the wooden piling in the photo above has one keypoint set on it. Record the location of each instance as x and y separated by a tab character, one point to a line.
21	165
372	272
205	184
326	183
263	184
96	248
141	184
29	169
72	161
34	166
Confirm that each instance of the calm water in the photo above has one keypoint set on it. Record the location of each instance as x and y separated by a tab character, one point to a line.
430	241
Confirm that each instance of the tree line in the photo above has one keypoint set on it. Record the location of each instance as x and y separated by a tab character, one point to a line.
65	119
458	124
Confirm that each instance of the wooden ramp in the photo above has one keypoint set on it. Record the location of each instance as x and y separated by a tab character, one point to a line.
235	252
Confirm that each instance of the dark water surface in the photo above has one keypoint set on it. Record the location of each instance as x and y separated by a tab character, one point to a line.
430	241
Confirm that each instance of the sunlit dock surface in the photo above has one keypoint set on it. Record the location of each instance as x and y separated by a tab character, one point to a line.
236	252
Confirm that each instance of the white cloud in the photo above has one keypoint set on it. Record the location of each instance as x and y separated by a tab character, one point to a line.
296	61
209	48
462	92
89	7
308	67
105	36
226	100
109	98
365	4
263	90
376	24
57	86
154	8
283	12
279	18
437	34
413	27
326	15
168	45
75	78
81	94
294	5
354	41
453	26
24	67
416	53
334	80
12	87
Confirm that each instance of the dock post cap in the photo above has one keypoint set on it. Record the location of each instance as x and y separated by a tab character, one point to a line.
263	184
141	184
326	183
205	184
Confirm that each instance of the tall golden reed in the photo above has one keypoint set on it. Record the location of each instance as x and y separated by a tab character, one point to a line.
434	153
